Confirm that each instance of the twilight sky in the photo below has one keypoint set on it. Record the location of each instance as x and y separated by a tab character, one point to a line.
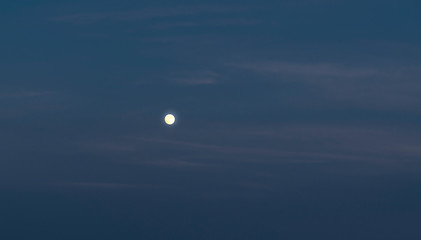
296	119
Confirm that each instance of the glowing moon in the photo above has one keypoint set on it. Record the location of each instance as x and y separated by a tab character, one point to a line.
169	119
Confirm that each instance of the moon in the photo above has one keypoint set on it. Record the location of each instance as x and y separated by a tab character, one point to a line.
169	119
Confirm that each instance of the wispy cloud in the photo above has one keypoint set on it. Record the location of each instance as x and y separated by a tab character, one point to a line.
108	185
22	102
195	78
390	86
135	15
310	70
221	22
264	154
181	162
410	149
195	81
26	94
107	146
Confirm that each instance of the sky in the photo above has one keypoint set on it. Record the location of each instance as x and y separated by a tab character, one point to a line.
296	119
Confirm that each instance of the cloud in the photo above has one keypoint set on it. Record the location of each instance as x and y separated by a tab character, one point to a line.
220	22
136	15
310	70
27	94
23	102
195	81
373	143
107	146
184	163
410	149
108	185
256	154
195	77
387	86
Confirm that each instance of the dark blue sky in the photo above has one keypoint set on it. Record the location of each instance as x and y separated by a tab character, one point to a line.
295	119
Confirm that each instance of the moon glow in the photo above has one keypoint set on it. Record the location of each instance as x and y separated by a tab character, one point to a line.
169	119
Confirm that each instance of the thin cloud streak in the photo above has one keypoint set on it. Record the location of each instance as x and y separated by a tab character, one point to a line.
195	81
256	153
27	94
315	70
90	18
384	87
107	185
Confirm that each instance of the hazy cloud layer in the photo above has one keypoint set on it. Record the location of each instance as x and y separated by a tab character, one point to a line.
295	119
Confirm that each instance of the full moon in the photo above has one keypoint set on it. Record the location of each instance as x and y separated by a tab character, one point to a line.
169	119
